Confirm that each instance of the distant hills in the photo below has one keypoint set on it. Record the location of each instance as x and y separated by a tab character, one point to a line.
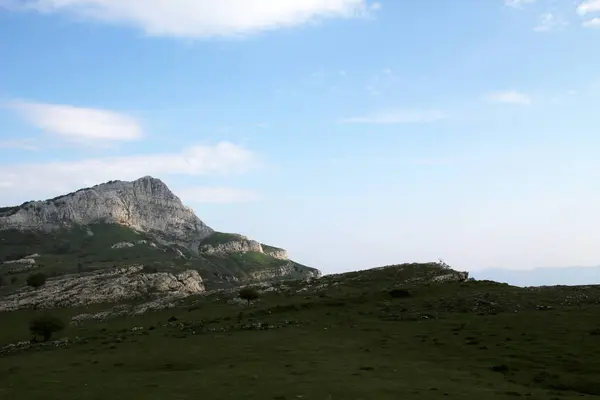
543	276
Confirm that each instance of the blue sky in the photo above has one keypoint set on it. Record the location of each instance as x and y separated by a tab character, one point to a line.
353	133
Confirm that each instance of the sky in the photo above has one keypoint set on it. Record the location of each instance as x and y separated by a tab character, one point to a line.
354	133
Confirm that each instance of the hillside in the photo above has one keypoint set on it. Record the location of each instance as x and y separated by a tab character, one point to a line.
412	331
118	224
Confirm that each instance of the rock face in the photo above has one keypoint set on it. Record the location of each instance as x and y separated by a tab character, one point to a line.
104	286
279	272
240	244
145	205
236	246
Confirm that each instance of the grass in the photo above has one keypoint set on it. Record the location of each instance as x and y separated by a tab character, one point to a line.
74	250
341	337
270	249
218	238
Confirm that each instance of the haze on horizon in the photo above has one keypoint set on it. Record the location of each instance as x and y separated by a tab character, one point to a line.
353	133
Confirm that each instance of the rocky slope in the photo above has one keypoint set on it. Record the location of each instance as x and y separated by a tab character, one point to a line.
104	286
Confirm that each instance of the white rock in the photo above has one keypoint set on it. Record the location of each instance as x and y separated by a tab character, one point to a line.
122	245
104	286
146	205
23	261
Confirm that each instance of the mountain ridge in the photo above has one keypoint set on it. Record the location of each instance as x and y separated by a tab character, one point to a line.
118	223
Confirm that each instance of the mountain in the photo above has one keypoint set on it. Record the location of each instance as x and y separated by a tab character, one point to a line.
543	276
121	223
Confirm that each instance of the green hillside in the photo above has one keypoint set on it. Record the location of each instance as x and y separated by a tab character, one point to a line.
88	248
384	334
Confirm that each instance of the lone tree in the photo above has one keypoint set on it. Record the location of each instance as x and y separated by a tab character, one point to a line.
36	280
45	326
249	294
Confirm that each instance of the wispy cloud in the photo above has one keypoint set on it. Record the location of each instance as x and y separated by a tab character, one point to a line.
40	180
219	195
550	21
588	7
592	23
22	144
518	3
79	124
202	18
510	97
398	117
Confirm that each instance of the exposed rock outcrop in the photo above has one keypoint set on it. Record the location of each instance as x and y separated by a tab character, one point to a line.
104	286
238	246
22	261
241	244
283	271
145	205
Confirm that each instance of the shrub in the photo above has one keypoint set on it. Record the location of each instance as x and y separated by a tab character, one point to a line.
36	280
399	293
249	294
149	270
45	326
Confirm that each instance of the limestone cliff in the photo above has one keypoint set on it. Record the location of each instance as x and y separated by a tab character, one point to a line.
145	205
221	244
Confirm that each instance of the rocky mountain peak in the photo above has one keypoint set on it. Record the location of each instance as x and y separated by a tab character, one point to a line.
146	204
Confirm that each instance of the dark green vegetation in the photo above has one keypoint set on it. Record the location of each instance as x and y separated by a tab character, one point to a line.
36	280
249	294
221	238
45	326
351	336
87	248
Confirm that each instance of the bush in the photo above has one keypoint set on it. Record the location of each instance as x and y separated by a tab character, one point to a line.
399	293
45	326
36	280
149	270
249	294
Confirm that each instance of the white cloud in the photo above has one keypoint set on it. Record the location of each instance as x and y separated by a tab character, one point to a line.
588	7
203	18
220	195
518	3
79	124
398	117
549	21
510	97
592	23
48	179
22	144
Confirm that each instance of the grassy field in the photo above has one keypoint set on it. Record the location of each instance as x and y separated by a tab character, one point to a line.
341	337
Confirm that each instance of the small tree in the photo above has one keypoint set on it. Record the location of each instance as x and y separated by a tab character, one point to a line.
36	280
149	270
45	326
249	294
